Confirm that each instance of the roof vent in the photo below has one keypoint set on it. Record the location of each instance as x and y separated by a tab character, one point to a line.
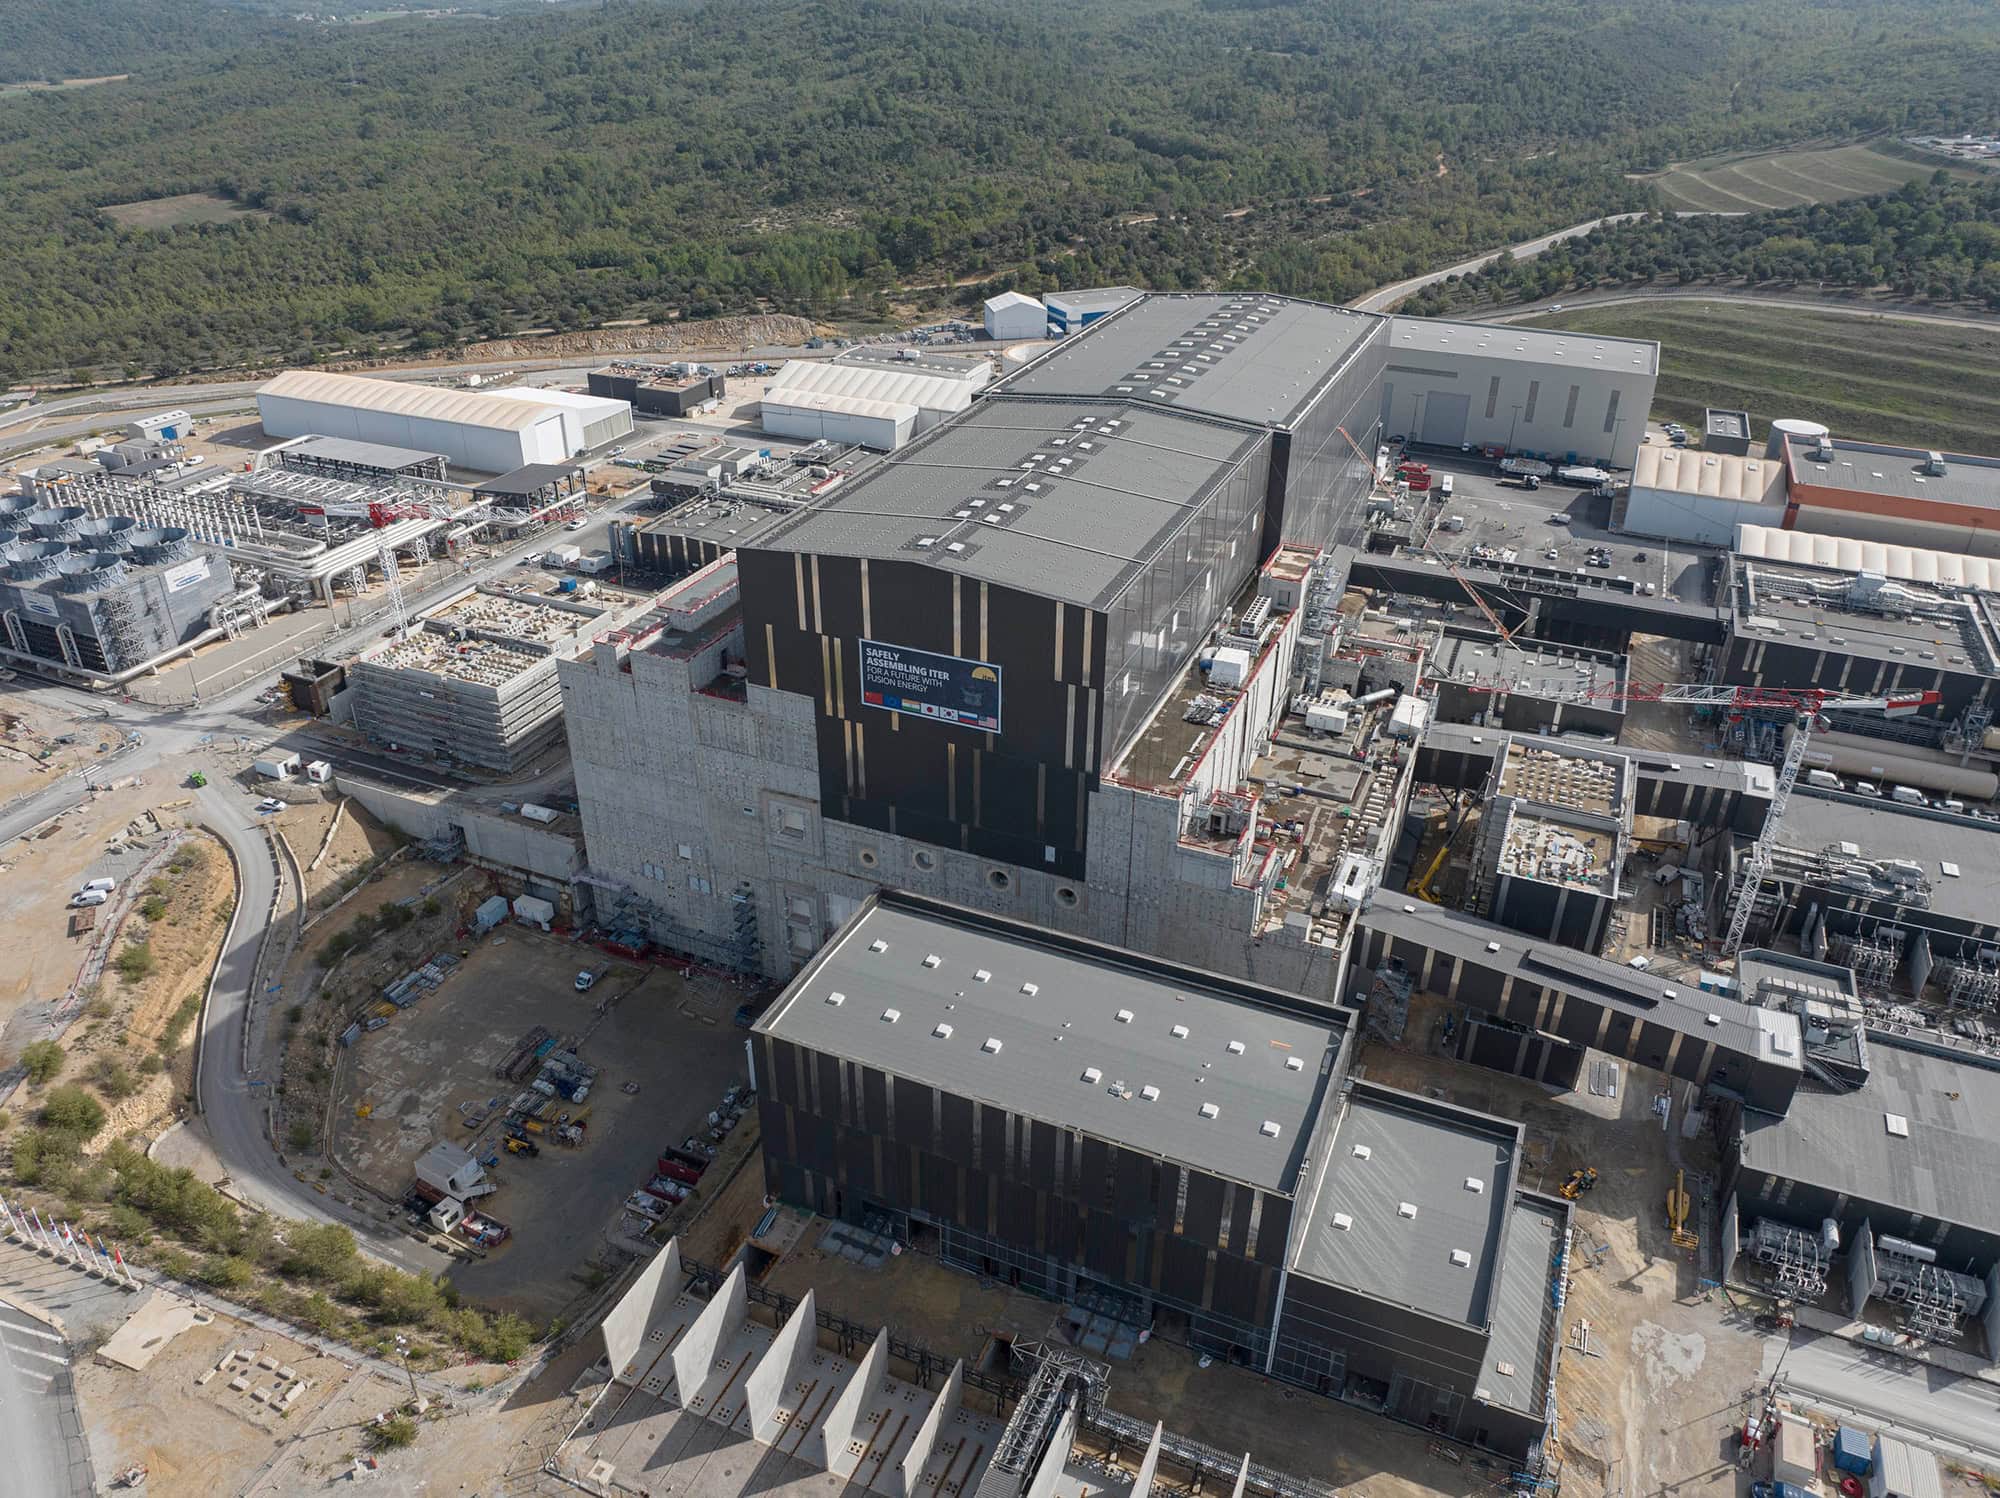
1268	1129
1294	1063
941	1030
982	976
890	1016
1362	1152
991	1046
1180	1032
1092	1075
1235	1047
1461	1258
1897	1124
1031	989
1209	1110
1124	1016
836	998
932	959
1711	1019
878	945
1150	1093
1476	1186
1342	1221
1406	1209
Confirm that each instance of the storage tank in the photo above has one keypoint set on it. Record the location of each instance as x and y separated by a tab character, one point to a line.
105	533
1872	759
55	523
157	545
28	560
1792	426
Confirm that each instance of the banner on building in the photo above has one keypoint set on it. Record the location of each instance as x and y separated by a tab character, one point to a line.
921	683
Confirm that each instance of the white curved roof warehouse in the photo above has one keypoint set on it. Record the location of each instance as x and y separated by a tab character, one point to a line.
471	429
1914	564
928	389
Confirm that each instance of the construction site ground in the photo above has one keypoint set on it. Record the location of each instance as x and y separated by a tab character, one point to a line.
432	1067
1653	1406
31	756
357	841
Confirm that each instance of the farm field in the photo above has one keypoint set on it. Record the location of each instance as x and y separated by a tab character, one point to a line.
1786	179
1880	379
172	213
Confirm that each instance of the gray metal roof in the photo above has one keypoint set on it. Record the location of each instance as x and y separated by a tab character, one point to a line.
1393	1205
1523	1318
530	477
1580	351
1896	472
1059	499
1740	1028
1731	424
1247	357
1066	1056
1947	1168
1092	298
1527	668
1885	830
902	356
361	454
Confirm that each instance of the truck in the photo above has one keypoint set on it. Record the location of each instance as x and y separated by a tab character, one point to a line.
561	556
278	767
593	563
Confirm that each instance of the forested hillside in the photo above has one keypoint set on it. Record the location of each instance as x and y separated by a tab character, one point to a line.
429	181
1938	242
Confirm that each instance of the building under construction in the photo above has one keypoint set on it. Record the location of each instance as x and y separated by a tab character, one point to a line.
1551	841
100	595
474	681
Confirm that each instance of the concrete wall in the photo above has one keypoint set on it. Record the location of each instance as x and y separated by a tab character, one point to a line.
694	1354
509	843
925	1442
842	1422
779	1368
625	1325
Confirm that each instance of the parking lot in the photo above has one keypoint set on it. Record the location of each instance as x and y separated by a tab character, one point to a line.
429	1075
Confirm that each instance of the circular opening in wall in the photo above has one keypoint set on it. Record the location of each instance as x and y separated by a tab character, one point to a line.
924	859
999	878
867	858
1066	896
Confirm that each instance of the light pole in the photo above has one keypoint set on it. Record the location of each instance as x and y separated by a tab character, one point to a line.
403	1352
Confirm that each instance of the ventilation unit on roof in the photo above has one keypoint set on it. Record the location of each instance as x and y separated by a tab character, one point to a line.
1362	1152
1209	1110
1180	1032
1268	1129
1235	1047
941	1030
1150	1093
990	1046
1461	1258
1406	1209
836	998
878	945
1342	1221
1124	1016
890	1016
1293	1063
932	960
1475	1185
981	975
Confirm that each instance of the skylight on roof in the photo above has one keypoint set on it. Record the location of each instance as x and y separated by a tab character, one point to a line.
1897	1125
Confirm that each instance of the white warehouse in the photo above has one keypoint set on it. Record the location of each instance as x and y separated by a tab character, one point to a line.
879	398
1011	315
470	429
589	421
1571	397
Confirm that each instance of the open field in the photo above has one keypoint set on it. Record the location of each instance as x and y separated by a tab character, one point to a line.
40	86
172	213
1883	379
1785	179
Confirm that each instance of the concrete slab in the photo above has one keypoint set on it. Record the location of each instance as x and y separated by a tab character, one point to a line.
155	1322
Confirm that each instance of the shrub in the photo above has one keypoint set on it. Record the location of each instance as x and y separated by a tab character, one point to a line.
70	1110
300	1135
388	1435
431	906
153	908
323	1251
226	1271
135	962
113	1078
45	1157
296	1013
184	1015
6	1119
42	1061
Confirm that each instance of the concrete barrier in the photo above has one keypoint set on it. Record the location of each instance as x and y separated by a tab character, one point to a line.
625	1325
695	1354
843	1421
1149	1465
925	1444
782	1365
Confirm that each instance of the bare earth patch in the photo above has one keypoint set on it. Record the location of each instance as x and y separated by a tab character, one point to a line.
172	213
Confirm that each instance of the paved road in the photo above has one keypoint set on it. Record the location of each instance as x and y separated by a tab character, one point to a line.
1953	1416
233	1108
1749	299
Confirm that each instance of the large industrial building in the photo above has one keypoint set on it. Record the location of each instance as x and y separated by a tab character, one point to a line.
1185	1149
1073	311
474	681
1570	397
590	422
875	397
675	389
97	596
487	431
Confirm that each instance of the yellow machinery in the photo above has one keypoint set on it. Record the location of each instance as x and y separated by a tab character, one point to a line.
1580	1180
1421	885
1678	1208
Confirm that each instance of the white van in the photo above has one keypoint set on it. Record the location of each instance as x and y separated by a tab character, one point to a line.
85	897
107	885
1907	795
1444	485
1865	788
1950	804
1825	779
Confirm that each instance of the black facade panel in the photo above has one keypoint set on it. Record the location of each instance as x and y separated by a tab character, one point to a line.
1203	1221
1273	1229
1239	1290
912	1113
954	1140
1183	1269
1040	1166
1617	1034
1132	1182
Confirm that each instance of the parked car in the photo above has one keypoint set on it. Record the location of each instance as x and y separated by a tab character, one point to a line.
85	897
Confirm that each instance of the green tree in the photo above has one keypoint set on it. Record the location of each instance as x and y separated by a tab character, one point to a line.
42	1060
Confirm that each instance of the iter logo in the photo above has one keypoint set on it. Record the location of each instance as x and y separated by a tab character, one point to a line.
922	684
